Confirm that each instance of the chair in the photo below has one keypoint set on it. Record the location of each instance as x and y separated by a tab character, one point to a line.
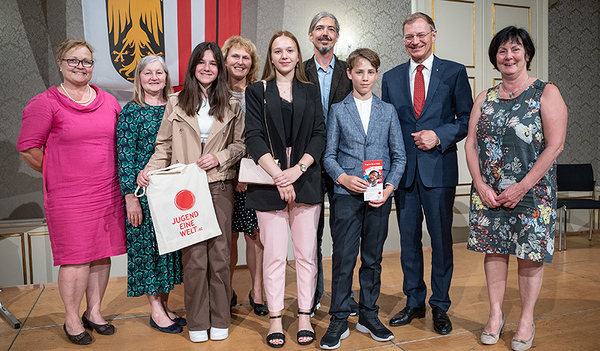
575	177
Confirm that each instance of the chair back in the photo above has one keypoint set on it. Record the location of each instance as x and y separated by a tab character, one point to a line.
575	177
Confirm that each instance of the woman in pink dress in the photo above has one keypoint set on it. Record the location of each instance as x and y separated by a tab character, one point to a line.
68	134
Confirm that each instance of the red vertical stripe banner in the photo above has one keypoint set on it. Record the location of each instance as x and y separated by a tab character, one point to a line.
230	19
184	36
223	19
210	24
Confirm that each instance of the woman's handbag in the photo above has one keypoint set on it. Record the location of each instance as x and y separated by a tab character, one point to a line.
250	171
181	207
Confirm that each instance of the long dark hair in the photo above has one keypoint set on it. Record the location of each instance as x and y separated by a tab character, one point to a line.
190	97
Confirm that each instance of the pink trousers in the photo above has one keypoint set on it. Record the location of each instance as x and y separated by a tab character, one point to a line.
303	220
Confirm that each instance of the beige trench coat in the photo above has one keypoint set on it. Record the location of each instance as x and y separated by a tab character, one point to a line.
178	140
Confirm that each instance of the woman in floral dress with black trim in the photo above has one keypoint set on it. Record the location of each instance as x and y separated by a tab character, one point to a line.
516	131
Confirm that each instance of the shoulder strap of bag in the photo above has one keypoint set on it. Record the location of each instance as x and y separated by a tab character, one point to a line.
265	115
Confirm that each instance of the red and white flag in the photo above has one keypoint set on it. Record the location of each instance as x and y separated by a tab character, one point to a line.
124	31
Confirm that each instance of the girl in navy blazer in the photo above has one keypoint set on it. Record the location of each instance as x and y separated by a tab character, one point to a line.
294	134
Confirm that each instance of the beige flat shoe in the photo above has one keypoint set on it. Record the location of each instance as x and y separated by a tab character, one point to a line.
522	345
491	338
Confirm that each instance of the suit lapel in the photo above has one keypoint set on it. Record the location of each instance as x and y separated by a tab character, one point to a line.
274	111
405	86
311	72
374	117
434	83
352	110
298	104
338	73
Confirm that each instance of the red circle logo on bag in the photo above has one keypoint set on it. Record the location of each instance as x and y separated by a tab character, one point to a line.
184	200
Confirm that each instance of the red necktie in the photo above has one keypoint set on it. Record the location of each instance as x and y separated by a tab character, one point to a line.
419	92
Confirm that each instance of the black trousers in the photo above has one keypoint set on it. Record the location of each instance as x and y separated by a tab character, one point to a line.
328	186
357	226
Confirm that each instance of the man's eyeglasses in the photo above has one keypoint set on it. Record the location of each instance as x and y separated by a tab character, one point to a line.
75	62
420	36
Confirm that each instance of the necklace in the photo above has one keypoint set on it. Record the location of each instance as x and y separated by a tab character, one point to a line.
79	102
512	95
283	91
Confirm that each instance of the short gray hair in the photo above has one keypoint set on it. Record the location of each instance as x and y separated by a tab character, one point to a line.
320	16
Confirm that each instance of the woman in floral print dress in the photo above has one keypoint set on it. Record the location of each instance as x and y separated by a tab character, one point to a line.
148	273
516	131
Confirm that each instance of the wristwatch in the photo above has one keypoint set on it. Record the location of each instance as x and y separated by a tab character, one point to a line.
303	168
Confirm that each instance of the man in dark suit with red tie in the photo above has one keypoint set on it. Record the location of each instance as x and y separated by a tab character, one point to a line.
433	99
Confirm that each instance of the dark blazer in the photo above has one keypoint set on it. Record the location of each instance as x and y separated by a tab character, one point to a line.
341	85
308	135
348	145
446	112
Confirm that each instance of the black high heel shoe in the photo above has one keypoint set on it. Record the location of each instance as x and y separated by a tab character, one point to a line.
103	329
259	308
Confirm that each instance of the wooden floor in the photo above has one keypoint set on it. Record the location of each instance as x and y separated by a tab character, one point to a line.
567	312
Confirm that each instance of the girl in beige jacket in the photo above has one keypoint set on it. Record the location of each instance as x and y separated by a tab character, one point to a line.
203	125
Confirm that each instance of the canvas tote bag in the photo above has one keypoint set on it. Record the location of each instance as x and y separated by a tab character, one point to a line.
181	206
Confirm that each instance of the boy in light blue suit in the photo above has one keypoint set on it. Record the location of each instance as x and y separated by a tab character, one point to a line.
360	128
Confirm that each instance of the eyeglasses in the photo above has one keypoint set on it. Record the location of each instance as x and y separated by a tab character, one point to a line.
421	36
75	62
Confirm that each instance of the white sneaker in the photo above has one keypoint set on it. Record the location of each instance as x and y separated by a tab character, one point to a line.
198	335
219	333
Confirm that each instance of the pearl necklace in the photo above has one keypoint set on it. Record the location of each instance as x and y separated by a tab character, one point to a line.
79	102
512	95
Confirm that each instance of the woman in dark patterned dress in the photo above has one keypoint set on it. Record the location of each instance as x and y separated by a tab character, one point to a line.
148	272
516	131
241	61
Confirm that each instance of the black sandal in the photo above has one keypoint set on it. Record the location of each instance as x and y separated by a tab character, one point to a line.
275	336
305	333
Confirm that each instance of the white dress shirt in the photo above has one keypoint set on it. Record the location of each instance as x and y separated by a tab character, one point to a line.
428	63
364	110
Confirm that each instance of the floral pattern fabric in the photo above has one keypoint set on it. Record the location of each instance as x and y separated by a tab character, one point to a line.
510	139
148	273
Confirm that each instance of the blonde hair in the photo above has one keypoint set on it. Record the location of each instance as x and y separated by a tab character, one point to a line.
269	70
69	44
238	42
139	97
